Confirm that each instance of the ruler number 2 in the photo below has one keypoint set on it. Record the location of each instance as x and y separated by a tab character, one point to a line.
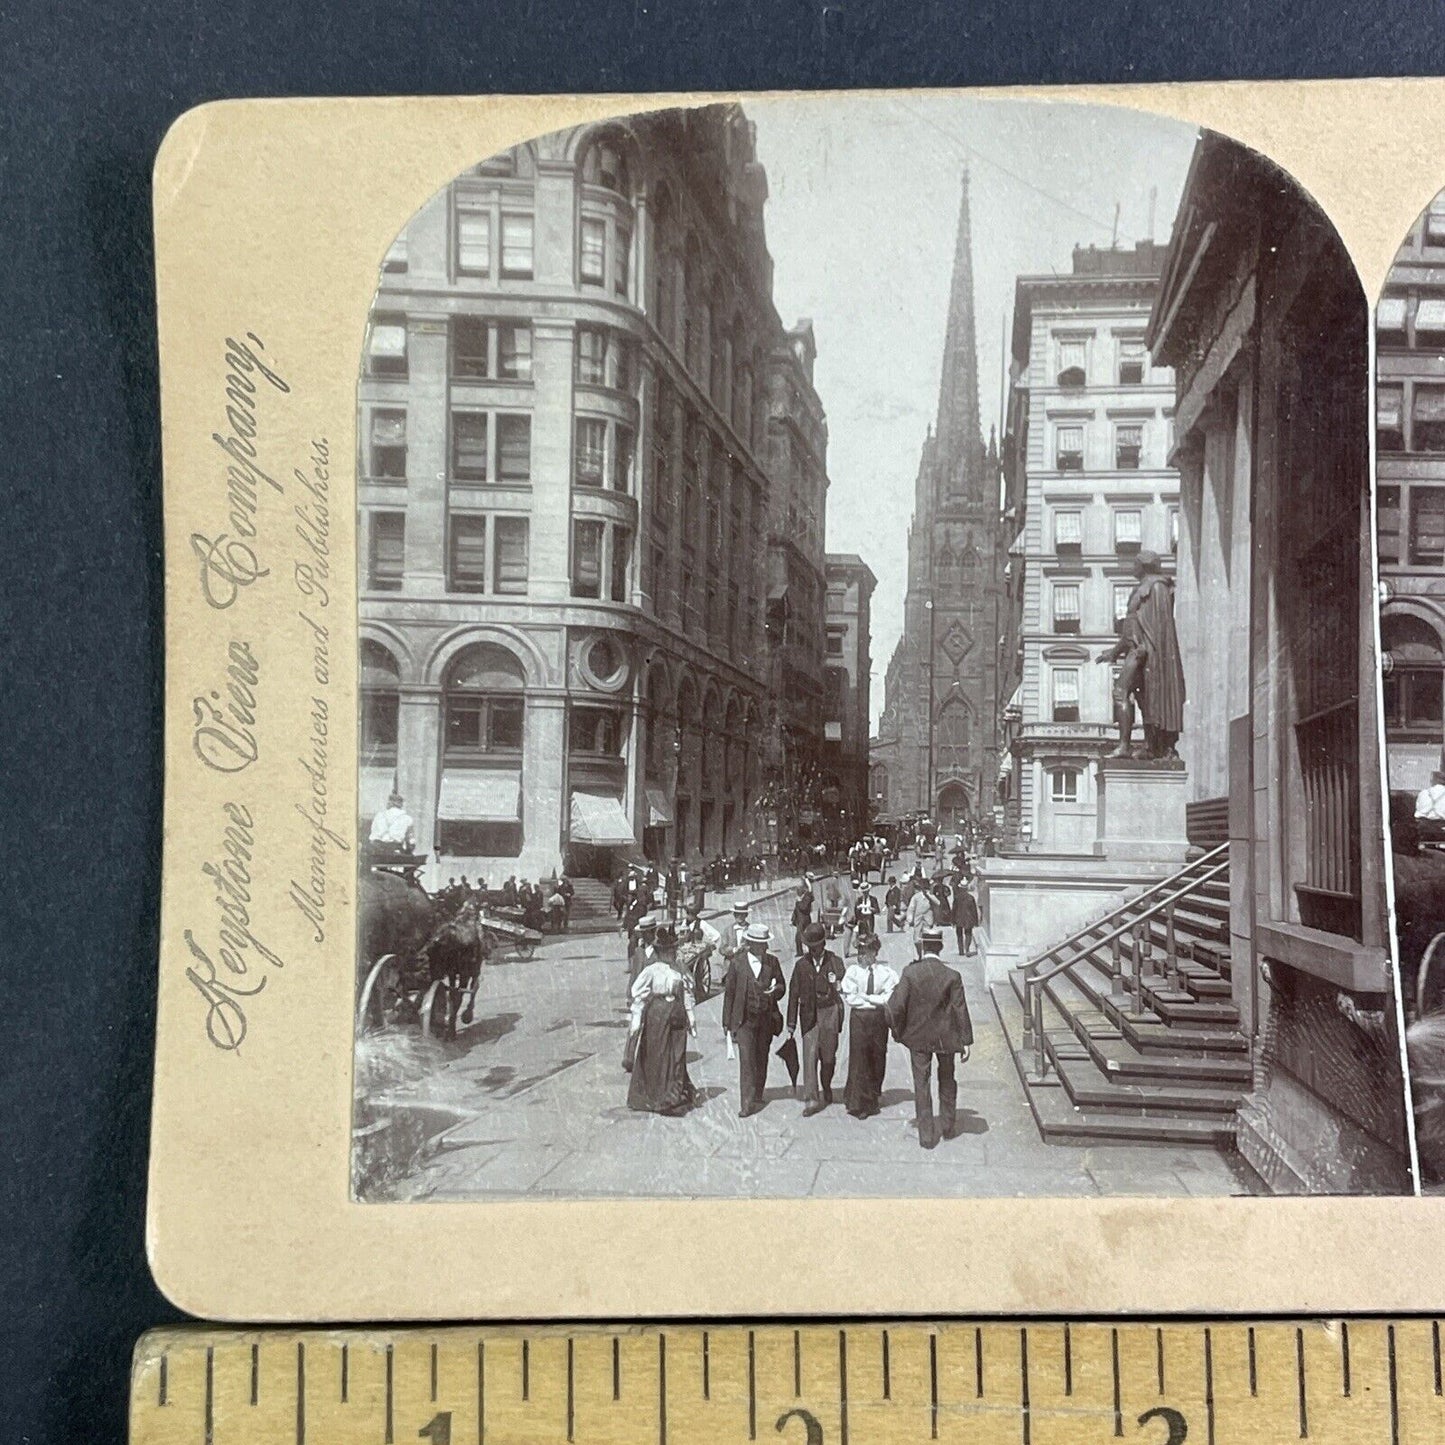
1178	1425
810	1424
438	1429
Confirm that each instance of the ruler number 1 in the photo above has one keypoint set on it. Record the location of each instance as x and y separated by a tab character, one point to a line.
438	1429
1178	1425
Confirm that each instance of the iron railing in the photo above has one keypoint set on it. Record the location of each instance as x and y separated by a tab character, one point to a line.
1133	917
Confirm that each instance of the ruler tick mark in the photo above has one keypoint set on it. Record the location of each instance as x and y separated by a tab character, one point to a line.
1345	1357
255	1373
887	1380
390	1396
1118	1404
1435	1346
1068	1361
1299	1356
1024	1383
661	1389
1253	1373
345	1372
843	1386
933	1387
1159	1357
616	1368
526	1369
300	1392
978	1362
752	1386
210	1406
161	1396
481	1392
434	1370
571	1406
798	1363
1394	1387
1209	1385
706	1369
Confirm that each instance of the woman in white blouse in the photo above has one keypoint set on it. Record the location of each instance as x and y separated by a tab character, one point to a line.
662	1023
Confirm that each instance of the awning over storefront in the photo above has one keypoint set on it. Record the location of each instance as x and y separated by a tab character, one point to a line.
373	788
659	814
599	820
474	795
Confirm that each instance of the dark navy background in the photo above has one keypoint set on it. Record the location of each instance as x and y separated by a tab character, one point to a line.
89	89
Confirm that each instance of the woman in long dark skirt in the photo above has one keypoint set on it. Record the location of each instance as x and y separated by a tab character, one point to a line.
662	1023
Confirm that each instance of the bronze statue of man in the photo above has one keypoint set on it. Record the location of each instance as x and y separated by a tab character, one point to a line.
1150	670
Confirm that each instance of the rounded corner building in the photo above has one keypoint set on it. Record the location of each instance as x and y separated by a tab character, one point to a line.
591	492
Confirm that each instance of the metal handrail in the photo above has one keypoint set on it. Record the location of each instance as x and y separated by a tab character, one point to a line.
1142	950
1126	906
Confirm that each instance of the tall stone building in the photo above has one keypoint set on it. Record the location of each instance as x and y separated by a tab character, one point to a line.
847	689
592	490
936	750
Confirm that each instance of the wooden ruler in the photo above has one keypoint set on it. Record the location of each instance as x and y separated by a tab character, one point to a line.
854	1384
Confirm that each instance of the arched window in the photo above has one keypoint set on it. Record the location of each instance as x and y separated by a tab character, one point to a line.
483	705
604	164
1414	669
950	738
380	704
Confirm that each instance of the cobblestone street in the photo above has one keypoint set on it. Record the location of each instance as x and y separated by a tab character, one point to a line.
538	1092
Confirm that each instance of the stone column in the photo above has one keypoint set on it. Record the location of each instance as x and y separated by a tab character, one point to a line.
544	784
418	757
549	564
427	429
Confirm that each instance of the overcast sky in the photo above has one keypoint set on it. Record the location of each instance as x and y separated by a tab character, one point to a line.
861	221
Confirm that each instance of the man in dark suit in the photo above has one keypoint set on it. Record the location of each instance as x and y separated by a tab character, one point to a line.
814	1000
929	1017
750	1015
965	916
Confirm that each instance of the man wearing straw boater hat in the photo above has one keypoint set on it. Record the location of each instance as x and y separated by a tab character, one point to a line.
750	1014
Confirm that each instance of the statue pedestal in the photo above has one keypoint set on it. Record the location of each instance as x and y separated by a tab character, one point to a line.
1141	811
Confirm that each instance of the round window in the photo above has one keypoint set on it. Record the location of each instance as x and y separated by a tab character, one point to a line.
604	659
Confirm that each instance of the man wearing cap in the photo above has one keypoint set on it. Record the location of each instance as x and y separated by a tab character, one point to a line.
815	1000
929	1017
867	987
751	991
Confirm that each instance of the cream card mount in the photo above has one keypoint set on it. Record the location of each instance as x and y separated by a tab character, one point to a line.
549	483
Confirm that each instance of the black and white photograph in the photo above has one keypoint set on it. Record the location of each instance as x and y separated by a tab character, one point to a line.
1410	518
868	667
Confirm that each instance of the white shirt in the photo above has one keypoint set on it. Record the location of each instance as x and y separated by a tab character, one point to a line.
394	825
1431	802
707	933
855	986
660	980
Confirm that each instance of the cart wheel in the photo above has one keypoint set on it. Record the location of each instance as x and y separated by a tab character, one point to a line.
436	1010
702	982
1422	980
371	1006
524	948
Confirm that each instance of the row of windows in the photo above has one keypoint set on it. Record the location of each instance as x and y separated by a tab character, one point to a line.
1066	610
1125	363
489	240
481	348
1411	525
1071	437
1412	320
1410	416
473	566
1127	524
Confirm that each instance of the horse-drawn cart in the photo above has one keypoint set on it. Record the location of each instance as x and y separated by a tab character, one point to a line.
419	958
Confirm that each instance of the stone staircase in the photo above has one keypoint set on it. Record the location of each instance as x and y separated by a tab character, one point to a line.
591	907
1135	1036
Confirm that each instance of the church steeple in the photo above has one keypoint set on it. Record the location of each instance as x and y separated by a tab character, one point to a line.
959	443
